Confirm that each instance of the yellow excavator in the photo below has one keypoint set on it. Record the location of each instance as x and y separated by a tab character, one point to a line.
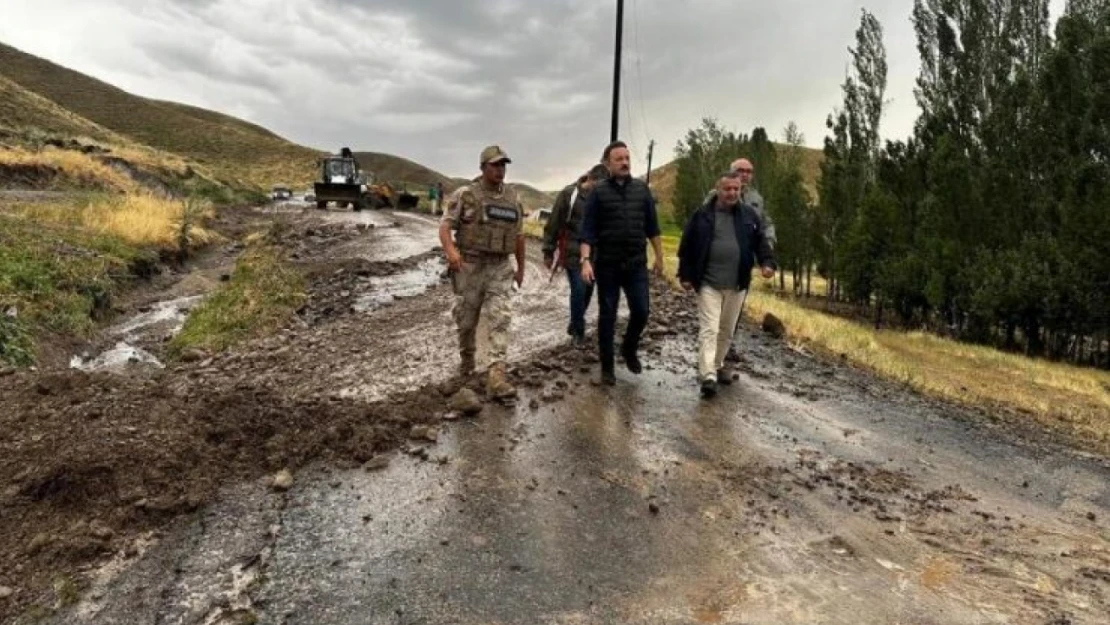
343	182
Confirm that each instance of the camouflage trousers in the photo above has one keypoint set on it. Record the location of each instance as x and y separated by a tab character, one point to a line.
484	285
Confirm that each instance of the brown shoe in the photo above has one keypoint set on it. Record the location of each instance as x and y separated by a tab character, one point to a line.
497	384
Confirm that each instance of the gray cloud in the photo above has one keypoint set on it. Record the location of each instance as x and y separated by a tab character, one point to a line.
435	81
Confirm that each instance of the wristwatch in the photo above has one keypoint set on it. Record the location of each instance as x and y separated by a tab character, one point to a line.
584	259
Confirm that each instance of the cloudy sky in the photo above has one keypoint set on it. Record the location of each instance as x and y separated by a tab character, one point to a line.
435	80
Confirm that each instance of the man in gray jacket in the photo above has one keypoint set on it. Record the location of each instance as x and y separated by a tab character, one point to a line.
748	195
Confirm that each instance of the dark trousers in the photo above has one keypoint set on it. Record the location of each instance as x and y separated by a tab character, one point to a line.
611	280
581	292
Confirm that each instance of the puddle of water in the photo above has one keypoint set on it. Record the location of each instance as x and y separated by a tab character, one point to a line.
166	317
409	283
173	311
121	355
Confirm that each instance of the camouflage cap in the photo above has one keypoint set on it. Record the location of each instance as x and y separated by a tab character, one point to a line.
493	154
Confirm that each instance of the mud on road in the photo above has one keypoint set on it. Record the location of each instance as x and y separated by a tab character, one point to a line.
808	492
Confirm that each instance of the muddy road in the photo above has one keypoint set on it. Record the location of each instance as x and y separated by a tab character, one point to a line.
806	492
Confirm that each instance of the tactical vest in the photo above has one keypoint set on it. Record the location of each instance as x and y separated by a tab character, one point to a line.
489	222
622	222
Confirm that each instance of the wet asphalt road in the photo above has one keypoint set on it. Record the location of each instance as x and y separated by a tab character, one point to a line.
806	493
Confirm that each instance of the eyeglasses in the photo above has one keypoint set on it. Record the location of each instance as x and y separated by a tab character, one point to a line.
744	171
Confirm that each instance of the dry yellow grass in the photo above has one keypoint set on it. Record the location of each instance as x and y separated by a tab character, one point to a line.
1057	395
138	219
77	168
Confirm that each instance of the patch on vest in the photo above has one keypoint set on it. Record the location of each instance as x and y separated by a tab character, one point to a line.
502	213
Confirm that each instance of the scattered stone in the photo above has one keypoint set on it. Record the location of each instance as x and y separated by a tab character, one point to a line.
466	401
282	480
193	355
424	432
39	541
451	416
6	591
1091	516
774	326
101	531
653	508
376	463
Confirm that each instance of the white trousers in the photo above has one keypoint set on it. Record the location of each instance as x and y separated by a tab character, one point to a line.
718	312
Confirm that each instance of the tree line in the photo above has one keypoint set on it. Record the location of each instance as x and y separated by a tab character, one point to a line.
991	221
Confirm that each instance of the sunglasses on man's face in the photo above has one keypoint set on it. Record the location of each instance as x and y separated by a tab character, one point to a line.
744	171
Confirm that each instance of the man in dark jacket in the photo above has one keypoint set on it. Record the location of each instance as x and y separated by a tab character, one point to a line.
620	219
563	234
720	246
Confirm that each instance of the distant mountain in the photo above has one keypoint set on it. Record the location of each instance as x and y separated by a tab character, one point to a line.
43	100
233	149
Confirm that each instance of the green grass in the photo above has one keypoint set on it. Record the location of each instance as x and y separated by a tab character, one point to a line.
263	292
57	279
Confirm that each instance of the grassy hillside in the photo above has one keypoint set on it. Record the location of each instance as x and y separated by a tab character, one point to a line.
399	169
663	178
531	197
26	112
38	97
235	151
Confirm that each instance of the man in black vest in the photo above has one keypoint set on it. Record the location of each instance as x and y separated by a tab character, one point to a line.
620	218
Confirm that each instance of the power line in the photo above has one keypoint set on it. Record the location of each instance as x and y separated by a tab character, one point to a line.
639	57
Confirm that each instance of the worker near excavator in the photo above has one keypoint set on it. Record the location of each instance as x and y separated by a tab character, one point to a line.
486	219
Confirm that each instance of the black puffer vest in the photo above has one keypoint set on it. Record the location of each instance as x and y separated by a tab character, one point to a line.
622	223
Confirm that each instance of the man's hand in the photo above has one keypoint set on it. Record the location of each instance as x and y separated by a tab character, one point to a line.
767	272
588	272
454	258
658	267
548	260
519	277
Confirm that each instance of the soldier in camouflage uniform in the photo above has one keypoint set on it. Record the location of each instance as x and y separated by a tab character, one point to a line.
486	219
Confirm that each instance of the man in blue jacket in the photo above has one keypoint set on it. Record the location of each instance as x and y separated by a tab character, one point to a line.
720	246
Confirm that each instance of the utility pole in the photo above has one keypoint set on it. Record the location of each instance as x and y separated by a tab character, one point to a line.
651	148
617	71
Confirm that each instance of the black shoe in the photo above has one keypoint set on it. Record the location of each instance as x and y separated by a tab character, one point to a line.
632	361
608	378
708	388
724	376
570	330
